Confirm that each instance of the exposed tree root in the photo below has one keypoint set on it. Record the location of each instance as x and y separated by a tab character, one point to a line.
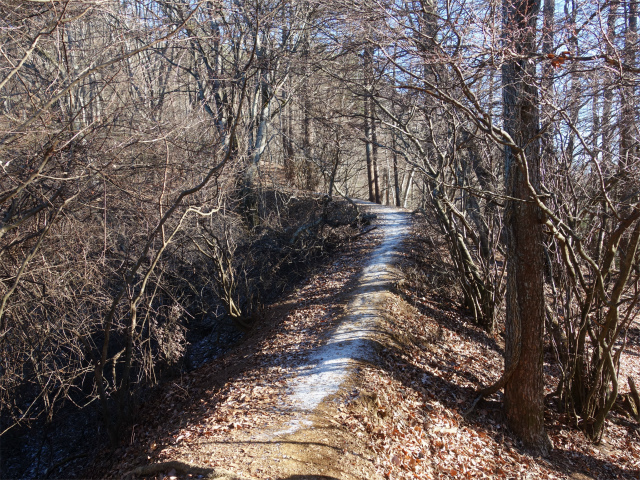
506	376
183	468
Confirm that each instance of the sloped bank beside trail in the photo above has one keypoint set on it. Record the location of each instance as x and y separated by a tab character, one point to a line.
270	410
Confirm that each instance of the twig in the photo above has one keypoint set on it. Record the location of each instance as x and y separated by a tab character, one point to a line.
364	233
64	461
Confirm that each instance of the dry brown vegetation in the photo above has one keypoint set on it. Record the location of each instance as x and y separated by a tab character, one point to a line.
170	166
430	370
401	416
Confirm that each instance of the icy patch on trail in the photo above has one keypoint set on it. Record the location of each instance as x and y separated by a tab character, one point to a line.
326	369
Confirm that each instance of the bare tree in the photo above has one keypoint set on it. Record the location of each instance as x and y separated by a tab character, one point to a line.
576	93
524	381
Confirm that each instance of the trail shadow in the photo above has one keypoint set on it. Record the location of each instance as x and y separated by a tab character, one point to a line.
308	477
279	441
459	324
572	462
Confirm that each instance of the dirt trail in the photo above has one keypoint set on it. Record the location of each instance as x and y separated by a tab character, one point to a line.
282	425
309	444
327	369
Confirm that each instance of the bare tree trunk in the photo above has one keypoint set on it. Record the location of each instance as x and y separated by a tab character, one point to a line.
336	163
396	180
374	141
606	123
524	390
262	114
307	140
369	150
287	138
628	144
409	187
387	187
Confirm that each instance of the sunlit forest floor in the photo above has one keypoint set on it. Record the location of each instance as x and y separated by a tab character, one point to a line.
398	417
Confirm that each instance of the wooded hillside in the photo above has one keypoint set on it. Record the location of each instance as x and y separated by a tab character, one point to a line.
157	159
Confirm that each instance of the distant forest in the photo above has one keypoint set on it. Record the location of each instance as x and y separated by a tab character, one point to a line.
148	150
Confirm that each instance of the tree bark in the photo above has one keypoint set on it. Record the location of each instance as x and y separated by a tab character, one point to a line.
628	144
524	389
367	127
374	142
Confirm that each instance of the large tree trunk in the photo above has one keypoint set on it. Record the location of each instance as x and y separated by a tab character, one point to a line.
368	54
524	390
628	144
374	142
396	179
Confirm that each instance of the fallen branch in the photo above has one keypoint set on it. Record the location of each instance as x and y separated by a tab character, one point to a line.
633	400
364	232
305	228
64	461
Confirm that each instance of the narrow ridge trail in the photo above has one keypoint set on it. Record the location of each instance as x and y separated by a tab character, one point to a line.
328	367
290	432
